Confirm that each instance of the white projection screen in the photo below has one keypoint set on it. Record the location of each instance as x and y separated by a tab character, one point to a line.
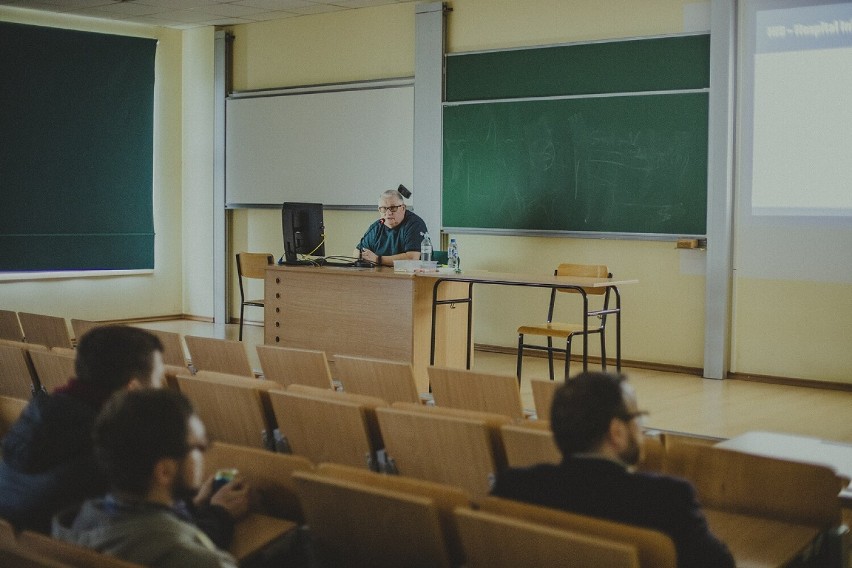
339	147
797	126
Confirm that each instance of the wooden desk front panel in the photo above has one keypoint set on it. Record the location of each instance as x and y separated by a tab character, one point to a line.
359	313
364	313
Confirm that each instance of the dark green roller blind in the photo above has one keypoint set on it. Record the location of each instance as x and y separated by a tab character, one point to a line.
76	163
604	137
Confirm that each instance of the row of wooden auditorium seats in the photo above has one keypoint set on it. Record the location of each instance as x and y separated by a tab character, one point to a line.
360	518
750	499
48	363
41	366
767	510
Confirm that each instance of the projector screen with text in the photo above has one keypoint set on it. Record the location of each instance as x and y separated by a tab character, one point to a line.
801	132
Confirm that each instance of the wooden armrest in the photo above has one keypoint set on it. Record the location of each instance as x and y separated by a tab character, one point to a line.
255	532
757	542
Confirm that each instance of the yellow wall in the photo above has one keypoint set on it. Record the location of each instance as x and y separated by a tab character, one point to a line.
137	295
349	45
793	329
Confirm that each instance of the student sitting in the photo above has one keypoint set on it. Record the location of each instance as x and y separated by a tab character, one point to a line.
151	446
594	419
47	454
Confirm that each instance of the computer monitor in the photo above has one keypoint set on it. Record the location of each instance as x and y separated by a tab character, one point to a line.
303	229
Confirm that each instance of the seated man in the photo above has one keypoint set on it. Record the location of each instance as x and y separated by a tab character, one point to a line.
395	236
47	456
151	446
594	423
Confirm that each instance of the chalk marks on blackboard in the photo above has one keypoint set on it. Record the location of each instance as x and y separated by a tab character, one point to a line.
623	164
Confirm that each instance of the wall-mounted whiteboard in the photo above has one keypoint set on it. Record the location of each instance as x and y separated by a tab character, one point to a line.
339	147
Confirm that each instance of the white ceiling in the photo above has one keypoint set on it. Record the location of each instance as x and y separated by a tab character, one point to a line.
184	14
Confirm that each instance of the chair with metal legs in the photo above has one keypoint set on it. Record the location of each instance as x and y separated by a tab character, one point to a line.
567	331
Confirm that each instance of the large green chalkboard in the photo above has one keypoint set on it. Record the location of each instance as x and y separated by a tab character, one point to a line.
632	161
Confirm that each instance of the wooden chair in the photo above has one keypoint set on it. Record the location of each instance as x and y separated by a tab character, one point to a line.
529	443
273	490
495	541
654	549
10	410
768	511
372	525
13	556
567	331
446	497
10	327
8	538
81	327
269	473
173	350
219	355
391	381
234	409
671	439
65	351
444	445
51	331
288	366
471	390
174	356
542	392
17	375
251	265
760	486
68	553
54	368
654	454
328	426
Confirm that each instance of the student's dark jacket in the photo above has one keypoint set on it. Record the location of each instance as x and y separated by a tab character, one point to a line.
48	463
47	456
602	488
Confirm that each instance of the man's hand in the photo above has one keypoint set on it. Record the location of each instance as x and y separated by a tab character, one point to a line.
369	255
233	497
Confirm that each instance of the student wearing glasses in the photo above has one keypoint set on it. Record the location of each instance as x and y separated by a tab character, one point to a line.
595	424
151	445
395	236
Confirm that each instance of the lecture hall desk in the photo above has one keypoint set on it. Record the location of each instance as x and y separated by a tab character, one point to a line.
364	312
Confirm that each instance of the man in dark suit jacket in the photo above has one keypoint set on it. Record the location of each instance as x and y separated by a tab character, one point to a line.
594	419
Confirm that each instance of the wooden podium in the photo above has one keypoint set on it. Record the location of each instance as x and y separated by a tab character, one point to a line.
375	313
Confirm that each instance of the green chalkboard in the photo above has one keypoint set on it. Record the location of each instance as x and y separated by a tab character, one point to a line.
638	65
627	161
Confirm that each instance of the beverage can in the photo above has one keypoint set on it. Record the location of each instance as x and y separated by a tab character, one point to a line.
223	477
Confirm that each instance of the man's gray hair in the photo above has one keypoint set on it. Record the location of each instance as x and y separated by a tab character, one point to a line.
392	193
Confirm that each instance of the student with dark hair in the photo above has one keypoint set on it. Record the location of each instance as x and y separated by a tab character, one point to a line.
595	424
47	457
151	446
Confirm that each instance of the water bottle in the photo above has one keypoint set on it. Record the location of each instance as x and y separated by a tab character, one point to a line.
453	256
426	248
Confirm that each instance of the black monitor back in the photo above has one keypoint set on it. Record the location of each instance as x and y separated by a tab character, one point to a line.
303	230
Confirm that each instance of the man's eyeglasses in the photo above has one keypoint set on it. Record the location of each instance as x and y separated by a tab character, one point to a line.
392	209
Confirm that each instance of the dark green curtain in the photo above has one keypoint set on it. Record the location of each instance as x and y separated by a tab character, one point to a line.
76	157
